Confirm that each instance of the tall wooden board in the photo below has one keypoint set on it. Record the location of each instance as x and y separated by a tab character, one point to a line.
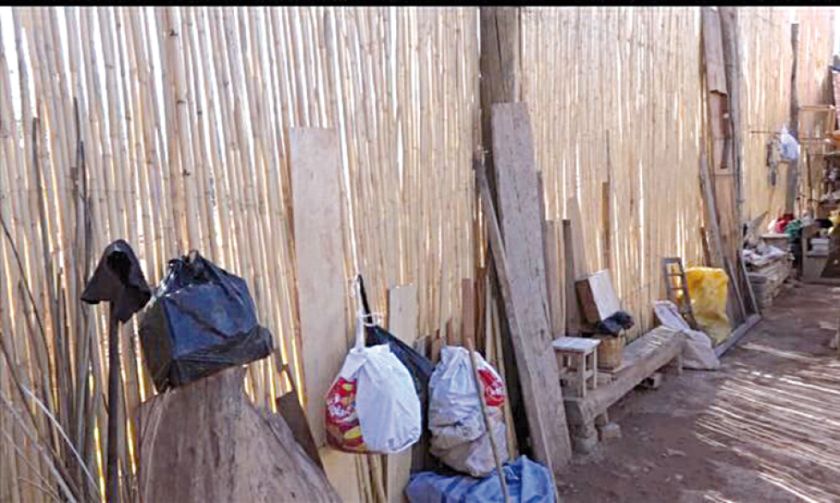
402	322
554	276
580	263
517	189
320	264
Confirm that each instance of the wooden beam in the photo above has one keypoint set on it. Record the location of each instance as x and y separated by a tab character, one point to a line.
606	226
521	222
732	66
574	316
468	310
500	68
554	276
793	127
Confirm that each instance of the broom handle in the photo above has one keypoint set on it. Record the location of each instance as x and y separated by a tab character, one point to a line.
112	493
469	343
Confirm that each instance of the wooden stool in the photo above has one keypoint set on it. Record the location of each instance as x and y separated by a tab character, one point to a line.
577	361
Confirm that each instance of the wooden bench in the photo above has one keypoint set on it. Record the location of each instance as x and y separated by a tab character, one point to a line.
661	347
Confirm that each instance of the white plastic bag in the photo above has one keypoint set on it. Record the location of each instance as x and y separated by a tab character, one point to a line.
698	353
459	436
372	405
789	146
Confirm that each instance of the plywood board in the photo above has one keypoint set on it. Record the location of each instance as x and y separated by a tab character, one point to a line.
402	322
320	264
517	189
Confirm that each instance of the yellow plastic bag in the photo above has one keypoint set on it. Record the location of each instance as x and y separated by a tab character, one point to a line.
708	288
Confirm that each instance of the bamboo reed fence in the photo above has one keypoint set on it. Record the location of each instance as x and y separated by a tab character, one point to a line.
168	127
767	58
614	94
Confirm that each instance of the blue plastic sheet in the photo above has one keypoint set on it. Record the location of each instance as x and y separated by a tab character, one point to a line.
527	482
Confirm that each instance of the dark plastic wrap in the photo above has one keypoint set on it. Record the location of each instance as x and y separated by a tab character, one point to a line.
418	366
201	320
618	321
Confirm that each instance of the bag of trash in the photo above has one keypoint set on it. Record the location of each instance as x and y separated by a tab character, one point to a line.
201	320
708	289
526	480
418	366
697	353
372	405
459	436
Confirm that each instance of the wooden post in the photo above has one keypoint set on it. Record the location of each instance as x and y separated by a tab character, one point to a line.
793	169
500	67
732	67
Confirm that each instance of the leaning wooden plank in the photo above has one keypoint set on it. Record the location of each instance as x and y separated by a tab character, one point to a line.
402	322
516	185
580	262
531	387
574	316
554	281
228	449
736	335
320	264
652	351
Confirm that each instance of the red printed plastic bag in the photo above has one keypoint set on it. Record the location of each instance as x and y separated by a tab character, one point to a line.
372	406
459	436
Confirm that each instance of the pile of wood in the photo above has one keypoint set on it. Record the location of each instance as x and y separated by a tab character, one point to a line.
767	279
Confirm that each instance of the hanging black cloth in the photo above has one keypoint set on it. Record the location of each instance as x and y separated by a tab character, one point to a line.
118	279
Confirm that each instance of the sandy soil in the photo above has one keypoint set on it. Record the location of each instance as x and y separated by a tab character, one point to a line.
764	428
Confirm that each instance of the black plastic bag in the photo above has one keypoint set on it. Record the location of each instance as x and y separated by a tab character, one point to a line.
618	321
418	366
201	320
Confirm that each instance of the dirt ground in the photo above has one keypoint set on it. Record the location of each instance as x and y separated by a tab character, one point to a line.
764	428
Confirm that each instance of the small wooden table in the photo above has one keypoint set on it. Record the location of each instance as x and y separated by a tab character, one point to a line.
577	360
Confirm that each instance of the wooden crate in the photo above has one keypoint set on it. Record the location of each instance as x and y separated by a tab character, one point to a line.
597	296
